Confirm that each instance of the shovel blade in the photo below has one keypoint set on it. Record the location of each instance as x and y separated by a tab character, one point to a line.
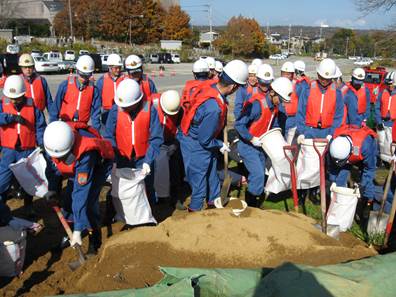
376	224
225	189
81	259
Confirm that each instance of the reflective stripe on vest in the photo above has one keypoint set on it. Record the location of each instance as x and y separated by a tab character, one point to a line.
26	133
76	105
388	105
109	90
264	123
321	107
35	90
133	135
357	136
291	107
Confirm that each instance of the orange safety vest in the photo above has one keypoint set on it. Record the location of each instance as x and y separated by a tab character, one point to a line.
360	94
321	107
26	133
251	90
83	144
145	86
291	107
168	122
188	90
2	80
77	103
200	98
109	90
357	136
388	105
35	90
304	78
263	124
133	135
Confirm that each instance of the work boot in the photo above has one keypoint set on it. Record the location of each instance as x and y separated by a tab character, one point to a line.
251	199
94	242
110	211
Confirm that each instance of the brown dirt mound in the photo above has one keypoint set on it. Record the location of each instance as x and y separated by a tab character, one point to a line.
212	238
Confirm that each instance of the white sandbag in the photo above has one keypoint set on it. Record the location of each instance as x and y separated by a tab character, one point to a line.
384	143
290	137
30	173
342	207
308	168
12	251
279	173
129	197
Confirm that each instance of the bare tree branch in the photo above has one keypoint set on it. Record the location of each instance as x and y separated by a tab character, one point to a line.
369	6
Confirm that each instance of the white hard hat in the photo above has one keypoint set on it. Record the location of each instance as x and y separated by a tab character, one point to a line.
252	69
327	68
265	72
114	60
237	71
128	93
283	87
299	65
389	78
394	80
338	72
288	67
58	139
219	66
85	64
133	62
170	102
340	148
359	73
200	66
257	62
211	62
14	87
26	60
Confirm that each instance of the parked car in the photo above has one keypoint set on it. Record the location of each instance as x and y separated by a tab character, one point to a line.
53	56
13	49
165	58
363	62
66	66
10	63
277	57
374	80
98	62
104	58
83	52
70	55
36	53
43	65
154	58
175	58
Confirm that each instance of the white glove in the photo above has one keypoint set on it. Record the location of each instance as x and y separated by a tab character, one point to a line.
256	141
329	137
76	239
300	138
146	169
225	148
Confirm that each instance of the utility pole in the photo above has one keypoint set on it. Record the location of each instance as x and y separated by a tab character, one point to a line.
288	44
71	21
346	47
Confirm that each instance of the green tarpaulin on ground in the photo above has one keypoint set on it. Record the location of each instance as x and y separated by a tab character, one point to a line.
370	277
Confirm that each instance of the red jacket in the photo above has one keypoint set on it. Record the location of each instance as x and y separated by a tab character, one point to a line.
168	122
388	104
35	90
291	107
109	89
82	145
357	136
26	133
74	103
316	100
360	94
263	124
133	135
200	98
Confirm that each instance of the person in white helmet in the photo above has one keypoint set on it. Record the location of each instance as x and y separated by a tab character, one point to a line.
321	107
299	73
134	130
36	85
168	173
22	126
77	152
338	78
245	92
134	68
385	105
201	128
78	99
354	146
259	115
212	66
107	84
218	69
357	99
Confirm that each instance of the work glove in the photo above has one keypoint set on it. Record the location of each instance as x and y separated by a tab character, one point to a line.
51	197
300	139
256	141
76	239
329	137
225	148
146	169
380	127
17	119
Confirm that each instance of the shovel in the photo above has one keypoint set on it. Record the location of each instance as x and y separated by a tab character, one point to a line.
292	161
321	156
225	188
390	220
81	257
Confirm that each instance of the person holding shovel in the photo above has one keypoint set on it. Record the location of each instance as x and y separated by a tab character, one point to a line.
259	115
201	126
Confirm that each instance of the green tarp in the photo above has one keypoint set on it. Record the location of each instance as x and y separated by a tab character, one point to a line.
372	277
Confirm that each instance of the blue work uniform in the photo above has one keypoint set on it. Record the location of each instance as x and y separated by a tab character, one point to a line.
99	85
378	118
241	96
351	102
291	119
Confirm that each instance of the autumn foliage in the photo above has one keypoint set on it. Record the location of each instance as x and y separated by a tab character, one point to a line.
141	21
242	37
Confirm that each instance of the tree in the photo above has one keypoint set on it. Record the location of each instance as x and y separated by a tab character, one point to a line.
176	24
8	10
242	37
368	6
341	39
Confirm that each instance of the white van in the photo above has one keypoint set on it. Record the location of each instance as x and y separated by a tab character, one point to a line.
70	55
176	58
53	56
83	52
154	58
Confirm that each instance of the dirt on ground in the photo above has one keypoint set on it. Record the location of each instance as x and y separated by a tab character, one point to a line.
212	238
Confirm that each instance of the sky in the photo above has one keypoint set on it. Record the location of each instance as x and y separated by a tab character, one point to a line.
335	13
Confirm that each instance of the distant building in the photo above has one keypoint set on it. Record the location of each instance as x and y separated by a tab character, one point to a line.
6	34
206	38
171	45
